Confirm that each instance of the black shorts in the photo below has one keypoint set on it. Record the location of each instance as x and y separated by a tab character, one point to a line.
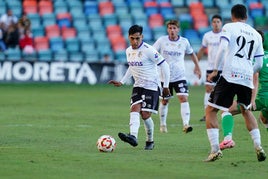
214	80
180	87
223	95
149	99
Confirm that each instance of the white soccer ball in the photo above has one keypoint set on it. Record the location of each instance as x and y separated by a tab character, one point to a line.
106	143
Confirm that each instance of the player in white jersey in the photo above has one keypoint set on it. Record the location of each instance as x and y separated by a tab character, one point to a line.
210	43
240	44
173	48
143	60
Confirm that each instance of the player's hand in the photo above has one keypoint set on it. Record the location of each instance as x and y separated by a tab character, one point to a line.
115	83
166	93
253	106
197	72
212	75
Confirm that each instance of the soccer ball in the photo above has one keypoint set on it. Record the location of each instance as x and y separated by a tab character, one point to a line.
106	143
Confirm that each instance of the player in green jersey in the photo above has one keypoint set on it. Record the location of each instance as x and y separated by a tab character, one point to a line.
259	102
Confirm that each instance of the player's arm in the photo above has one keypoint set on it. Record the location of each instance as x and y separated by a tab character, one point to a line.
201	52
123	80
197	70
164	67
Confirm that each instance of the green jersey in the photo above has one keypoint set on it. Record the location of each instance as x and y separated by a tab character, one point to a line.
263	78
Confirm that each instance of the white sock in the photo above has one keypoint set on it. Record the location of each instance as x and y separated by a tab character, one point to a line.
134	123
213	137
163	111
256	137
149	129
185	113
206	96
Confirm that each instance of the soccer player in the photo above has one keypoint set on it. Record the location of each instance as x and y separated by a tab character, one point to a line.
259	103
143	60
173	48
239	44
210	43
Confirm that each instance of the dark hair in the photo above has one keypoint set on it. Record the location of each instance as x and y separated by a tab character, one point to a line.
173	22
262	34
239	11
216	16
134	29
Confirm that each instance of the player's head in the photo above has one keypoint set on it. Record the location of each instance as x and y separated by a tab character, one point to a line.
173	28
239	12
216	23
135	36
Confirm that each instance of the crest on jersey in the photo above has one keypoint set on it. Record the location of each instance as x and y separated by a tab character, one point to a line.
156	55
139	54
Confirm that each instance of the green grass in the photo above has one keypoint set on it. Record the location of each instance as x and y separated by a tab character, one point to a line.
50	131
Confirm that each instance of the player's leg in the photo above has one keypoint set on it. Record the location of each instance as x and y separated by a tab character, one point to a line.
151	101
244	99
134	120
264	118
221	98
228	125
163	111
182	92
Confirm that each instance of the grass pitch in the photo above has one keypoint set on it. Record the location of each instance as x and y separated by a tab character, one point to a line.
50	131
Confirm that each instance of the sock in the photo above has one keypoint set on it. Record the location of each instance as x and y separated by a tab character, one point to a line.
149	129
134	123
256	137
206	96
163	111
227	125
185	113
213	137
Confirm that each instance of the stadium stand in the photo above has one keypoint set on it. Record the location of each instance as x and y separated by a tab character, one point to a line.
101	26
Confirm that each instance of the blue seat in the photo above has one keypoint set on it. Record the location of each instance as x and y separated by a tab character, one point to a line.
56	44
38	31
147	34
76	56
109	19
120	56
48	19
13	54
72	45
87	45
35	19
91	56
2	56
29	57
208	3
61	55
90	7
177	3
44	55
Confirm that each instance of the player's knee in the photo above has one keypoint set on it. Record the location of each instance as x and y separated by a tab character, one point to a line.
145	115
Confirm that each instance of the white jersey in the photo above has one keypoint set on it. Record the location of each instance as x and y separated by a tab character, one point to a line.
211	41
143	66
245	43
174	52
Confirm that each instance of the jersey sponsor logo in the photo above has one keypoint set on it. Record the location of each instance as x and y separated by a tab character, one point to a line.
135	63
172	53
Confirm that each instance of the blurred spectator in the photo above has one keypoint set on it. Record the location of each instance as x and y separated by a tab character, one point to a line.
26	42
12	36
7	19
2	42
106	58
23	24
